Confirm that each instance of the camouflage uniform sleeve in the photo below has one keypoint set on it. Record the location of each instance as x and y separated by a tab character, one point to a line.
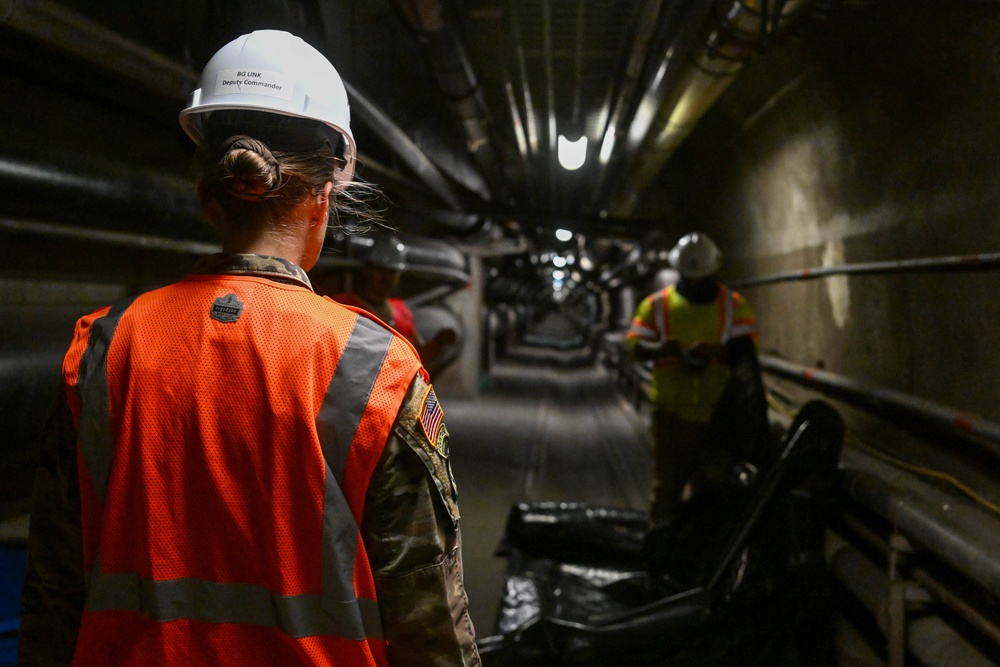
52	600
411	533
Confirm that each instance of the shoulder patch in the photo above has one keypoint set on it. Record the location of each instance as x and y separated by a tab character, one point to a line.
431	415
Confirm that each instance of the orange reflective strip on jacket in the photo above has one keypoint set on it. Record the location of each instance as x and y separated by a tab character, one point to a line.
207	520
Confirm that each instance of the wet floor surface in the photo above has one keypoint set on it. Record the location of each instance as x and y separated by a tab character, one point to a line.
544	429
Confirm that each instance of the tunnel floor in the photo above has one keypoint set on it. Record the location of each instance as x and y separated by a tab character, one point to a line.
546	428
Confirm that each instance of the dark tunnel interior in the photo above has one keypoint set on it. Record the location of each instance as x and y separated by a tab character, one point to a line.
844	155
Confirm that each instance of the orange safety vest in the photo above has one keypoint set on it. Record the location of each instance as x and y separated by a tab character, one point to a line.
228	427
402	316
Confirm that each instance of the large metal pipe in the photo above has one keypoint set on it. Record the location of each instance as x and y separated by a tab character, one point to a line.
926	264
958	421
929	638
550	102
960	534
732	35
638	55
109	237
70	32
117	190
405	147
855	531
457	79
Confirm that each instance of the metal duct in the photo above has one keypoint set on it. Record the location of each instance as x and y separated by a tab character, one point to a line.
464	223
731	37
457	79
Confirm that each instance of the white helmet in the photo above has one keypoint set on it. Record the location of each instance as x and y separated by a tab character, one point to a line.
696	256
274	72
387	252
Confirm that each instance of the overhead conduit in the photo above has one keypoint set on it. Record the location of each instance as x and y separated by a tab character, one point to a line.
67	31
457	79
730	37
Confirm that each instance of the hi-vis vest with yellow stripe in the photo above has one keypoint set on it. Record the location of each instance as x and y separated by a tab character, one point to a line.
667	314
228	427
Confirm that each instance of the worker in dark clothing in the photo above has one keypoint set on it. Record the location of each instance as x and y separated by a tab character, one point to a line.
243	472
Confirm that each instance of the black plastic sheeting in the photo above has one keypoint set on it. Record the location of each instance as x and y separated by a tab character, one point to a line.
738	579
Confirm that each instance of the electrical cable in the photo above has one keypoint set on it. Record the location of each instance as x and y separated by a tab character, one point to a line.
954	482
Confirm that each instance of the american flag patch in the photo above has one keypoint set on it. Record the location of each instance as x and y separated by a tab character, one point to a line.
431	416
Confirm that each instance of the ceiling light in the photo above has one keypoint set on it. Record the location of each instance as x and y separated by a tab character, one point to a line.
572	154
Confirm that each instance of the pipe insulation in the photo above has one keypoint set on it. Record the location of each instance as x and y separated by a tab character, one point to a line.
961	534
932	641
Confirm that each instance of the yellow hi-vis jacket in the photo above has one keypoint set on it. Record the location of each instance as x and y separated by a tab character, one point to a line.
667	314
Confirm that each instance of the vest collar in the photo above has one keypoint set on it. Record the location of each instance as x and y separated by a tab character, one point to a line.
263	266
701	293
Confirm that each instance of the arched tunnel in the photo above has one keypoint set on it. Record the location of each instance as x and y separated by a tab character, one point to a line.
843	155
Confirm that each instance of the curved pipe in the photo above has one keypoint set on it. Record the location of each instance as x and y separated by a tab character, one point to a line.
423	257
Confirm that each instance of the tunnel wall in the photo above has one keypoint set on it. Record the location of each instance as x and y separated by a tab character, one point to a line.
867	136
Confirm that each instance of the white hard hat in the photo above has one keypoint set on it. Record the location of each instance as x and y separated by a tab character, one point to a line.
274	72
387	252
696	256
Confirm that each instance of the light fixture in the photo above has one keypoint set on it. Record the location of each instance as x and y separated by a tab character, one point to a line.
564	234
572	153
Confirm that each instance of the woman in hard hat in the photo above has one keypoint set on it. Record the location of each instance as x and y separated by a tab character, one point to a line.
693	332
243	472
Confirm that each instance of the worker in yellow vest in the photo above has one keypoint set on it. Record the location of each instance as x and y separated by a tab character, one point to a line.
691	332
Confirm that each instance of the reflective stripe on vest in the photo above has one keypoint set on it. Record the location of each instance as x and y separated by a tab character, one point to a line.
661	312
94	429
728	330
337	611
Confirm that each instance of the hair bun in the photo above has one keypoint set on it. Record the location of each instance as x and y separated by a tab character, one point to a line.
251	170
